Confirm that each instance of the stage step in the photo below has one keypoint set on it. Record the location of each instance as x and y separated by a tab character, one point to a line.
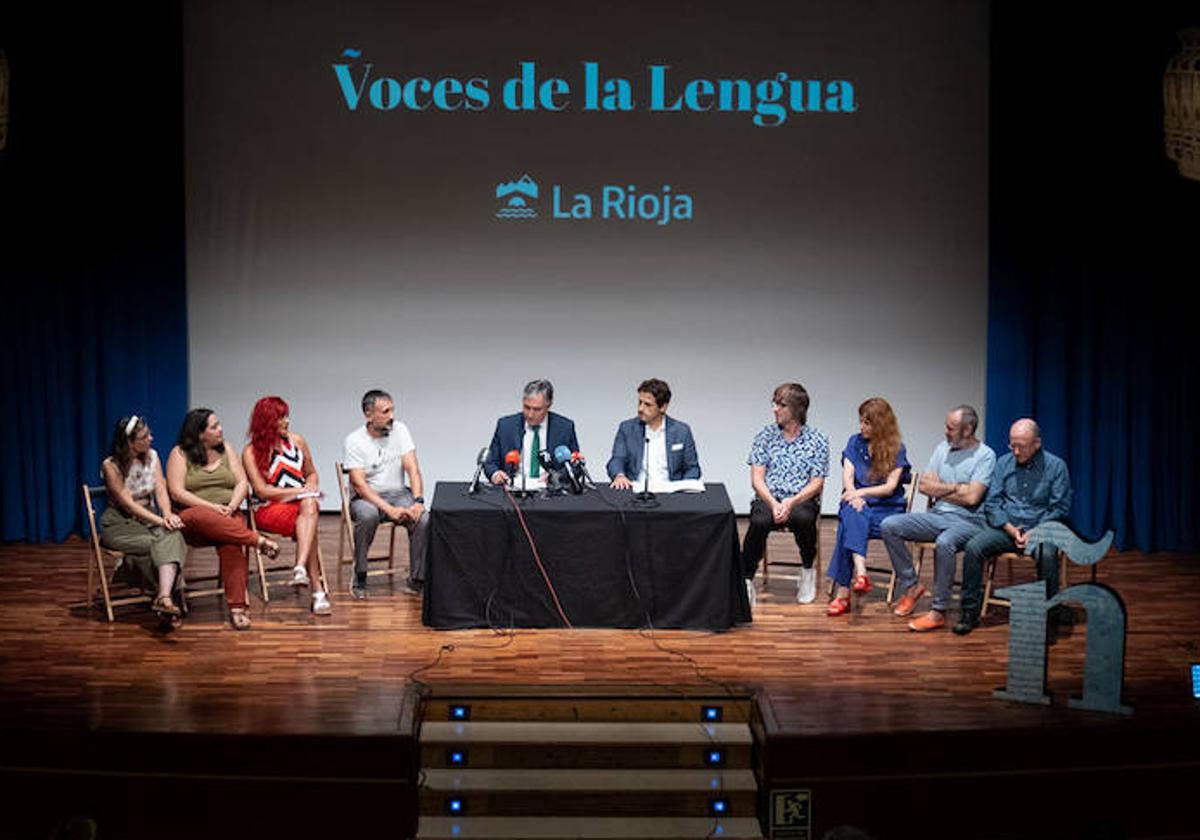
603	708
623	766
561	828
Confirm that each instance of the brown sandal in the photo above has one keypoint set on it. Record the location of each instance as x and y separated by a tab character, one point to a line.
164	607
268	547
239	617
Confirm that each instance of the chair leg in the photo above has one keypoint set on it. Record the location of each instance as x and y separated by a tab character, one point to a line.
321	567
891	586
262	577
989	574
766	564
104	591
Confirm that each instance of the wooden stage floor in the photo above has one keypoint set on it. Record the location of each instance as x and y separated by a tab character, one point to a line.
67	670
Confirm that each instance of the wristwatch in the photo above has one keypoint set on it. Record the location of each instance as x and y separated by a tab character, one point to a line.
419	500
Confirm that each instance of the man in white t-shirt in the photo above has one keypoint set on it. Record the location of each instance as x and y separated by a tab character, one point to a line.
378	456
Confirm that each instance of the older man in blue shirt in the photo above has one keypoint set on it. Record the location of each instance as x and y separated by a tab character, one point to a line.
1029	486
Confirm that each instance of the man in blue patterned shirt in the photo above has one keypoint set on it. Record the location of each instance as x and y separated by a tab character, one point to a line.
788	465
1029	486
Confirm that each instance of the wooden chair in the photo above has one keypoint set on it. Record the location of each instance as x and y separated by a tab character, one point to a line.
888	570
264	569
795	564
346	533
97	567
989	573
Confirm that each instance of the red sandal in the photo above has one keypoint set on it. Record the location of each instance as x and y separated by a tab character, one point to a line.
838	606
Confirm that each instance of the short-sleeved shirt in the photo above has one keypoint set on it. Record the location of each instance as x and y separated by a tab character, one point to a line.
790	464
379	457
962	466
858	453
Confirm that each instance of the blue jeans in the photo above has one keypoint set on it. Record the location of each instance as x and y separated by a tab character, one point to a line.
948	531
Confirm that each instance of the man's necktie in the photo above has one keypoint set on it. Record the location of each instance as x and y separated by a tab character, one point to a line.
535	465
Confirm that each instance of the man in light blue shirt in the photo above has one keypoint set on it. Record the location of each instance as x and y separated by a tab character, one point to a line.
1030	486
956	482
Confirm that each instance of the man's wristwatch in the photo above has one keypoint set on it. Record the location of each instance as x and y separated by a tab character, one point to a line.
418	500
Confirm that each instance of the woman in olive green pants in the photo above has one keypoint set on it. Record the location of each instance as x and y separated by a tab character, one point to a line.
150	539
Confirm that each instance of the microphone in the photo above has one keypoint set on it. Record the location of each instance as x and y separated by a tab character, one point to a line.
562	458
479	459
512	462
546	460
580	464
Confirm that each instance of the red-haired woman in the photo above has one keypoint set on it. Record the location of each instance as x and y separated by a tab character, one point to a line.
875	469
281	472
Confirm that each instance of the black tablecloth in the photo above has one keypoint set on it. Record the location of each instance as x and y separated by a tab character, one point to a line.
612	563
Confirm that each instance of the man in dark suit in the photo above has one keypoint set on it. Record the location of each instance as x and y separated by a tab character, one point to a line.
536	428
672	451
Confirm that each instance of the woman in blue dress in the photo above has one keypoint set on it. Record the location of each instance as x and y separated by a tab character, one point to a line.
875	469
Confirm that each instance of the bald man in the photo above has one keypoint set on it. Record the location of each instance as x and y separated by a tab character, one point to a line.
1029	486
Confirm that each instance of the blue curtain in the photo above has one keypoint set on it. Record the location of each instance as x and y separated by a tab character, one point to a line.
1092	256
94	321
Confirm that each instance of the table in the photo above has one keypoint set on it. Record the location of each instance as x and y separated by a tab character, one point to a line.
612	563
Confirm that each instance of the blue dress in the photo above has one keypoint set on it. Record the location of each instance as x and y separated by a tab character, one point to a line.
855	527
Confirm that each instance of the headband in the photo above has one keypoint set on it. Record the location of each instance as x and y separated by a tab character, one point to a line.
131	425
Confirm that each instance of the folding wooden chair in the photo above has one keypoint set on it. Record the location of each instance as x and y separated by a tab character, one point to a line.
989	574
97	567
795	564
888	570
346	533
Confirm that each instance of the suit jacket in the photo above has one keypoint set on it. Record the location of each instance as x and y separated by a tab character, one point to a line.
630	444
510	435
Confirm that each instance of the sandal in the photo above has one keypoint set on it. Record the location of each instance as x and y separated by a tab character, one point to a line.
239	617
838	606
861	584
268	547
164	607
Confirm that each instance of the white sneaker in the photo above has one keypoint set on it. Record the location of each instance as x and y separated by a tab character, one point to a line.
300	576
321	605
806	586
750	593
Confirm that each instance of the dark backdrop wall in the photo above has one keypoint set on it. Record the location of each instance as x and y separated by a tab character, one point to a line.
1093	257
91	208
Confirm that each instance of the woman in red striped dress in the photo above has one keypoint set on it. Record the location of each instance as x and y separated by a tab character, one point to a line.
281	473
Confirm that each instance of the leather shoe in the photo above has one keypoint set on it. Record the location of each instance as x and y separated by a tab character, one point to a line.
862	584
908	602
966	623
930	621
838	606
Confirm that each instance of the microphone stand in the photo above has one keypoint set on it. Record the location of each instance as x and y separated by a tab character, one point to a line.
474	488
645	498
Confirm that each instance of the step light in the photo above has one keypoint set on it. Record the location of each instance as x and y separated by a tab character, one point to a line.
460	712
714	758
455	806
456	758
711	714
718	807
